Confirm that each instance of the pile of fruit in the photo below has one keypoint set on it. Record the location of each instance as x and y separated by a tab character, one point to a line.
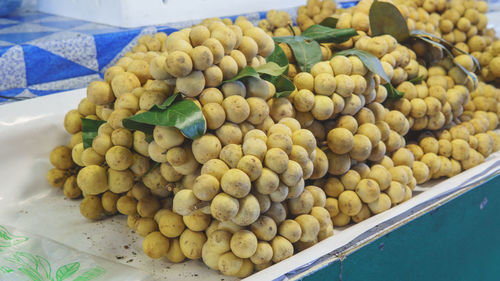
241	145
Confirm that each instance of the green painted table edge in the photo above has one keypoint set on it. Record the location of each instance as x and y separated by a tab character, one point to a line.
457	240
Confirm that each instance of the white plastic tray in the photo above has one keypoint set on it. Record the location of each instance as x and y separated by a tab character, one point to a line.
30	129
135	13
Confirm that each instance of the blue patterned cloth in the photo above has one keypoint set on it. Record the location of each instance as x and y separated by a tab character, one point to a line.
41	54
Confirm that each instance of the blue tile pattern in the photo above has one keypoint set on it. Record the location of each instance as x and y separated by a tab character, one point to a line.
41	54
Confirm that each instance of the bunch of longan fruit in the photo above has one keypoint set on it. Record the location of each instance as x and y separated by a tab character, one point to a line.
273	176
239	180
314	12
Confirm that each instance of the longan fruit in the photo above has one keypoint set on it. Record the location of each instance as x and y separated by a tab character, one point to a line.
341	65
100	93
92	180
192	84
70	188
206	148
211	95
229	133
281	141
381	175
91	207
243	243
248	47
396	192
460	149
362	215
236	183
421	172
349	203
362	169
403	156
213	76
257	88
399	174
282	249
73	122
341	219
485	144
263	254
295	190
338	164
310	227
301	204
371	131
191	243
304	100
198	35
249	210
224	207
155	245
229	264
323	107
61	158
345	85
319	196
229	67
432	161
361	149
280	108
258	35
324	84
368	190
214	114
259	110
382	204
127	205
397	122
267	182
205	187
350	179
237	109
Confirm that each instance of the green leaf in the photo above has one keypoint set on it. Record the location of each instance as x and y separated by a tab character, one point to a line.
147	128
324	34
420	33
329	22
169	101
442	47
417	80
369	60
306	52
248	71
271	68
65	271
185	115
278	56
284	86
373	64
91	274
89	130
385	18
392	93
